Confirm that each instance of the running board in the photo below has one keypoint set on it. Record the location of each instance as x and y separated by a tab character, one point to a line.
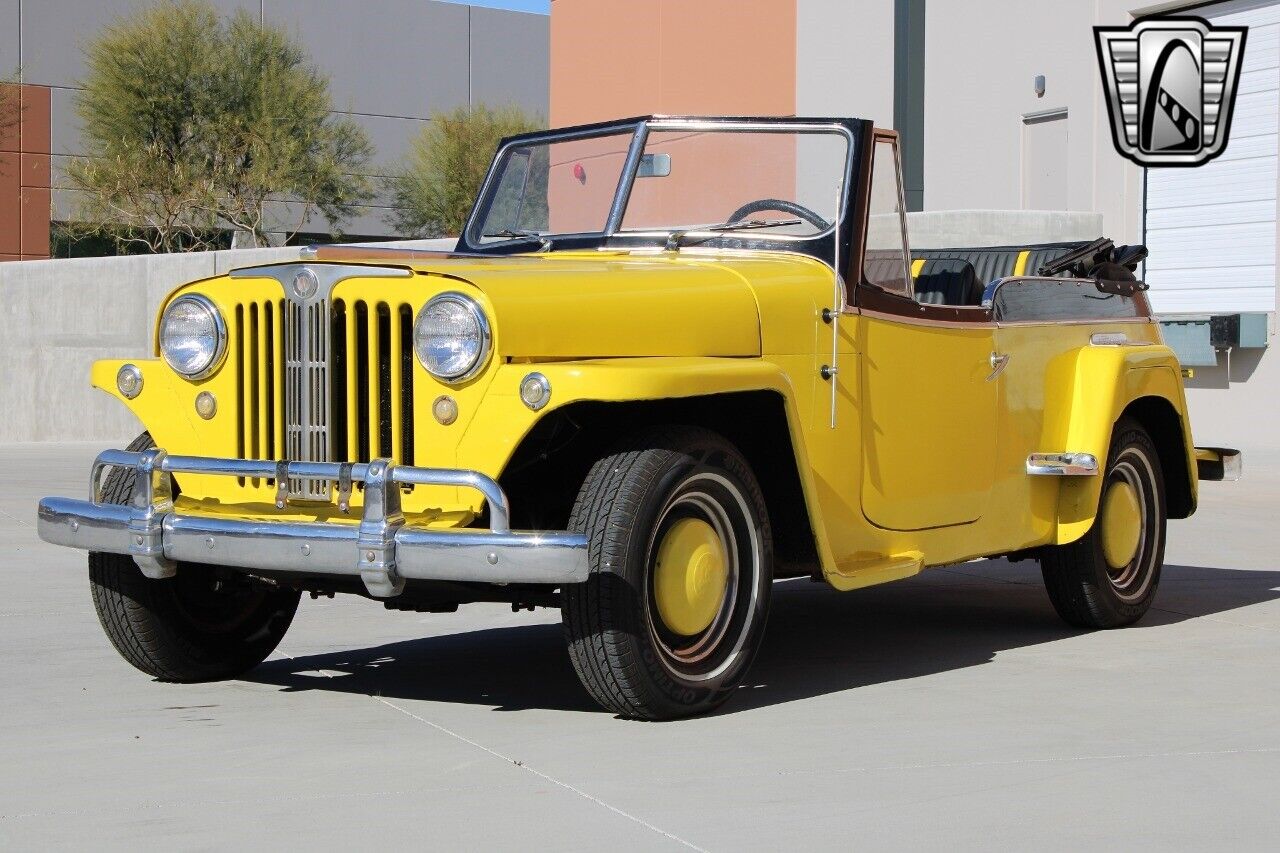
855	574
1062	464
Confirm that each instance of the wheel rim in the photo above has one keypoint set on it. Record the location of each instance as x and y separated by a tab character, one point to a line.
691	576
1130	529
1121	524
702	582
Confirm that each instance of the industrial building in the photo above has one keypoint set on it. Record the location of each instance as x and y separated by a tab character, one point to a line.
390	63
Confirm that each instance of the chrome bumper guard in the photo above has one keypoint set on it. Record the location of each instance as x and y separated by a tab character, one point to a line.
382	550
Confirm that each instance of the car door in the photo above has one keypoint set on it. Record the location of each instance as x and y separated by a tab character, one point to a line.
929	381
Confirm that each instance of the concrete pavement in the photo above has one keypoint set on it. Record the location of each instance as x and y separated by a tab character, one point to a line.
952	710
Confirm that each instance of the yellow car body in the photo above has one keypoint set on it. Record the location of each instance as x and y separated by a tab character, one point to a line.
923	467
640	424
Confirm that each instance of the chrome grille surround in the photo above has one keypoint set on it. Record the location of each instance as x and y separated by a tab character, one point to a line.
307	368
307	403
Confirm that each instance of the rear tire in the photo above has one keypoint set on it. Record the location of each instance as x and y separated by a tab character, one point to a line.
681	569
203	624
1090	581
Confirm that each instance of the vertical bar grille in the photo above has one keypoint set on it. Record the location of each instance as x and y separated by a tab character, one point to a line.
377	380
257	347
323	382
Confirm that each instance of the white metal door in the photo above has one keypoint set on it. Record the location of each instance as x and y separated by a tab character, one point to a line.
1212	229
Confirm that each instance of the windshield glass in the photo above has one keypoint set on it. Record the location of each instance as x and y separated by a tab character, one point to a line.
776	181
562	187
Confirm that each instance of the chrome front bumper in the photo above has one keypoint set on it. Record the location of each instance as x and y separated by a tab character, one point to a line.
382	549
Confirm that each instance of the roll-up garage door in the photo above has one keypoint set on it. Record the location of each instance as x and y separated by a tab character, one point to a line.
1212	229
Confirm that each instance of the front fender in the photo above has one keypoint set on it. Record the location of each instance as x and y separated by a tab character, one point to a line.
503	420
1089	389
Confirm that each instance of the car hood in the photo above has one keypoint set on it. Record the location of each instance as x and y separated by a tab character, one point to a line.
588	305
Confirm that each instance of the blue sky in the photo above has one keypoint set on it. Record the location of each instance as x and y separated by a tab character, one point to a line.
541	6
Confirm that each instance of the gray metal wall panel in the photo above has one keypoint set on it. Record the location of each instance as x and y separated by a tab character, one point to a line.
8	37
510	59
64	124
55	33
390	138
384	57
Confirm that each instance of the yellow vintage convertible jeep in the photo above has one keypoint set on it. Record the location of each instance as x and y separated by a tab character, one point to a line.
670	361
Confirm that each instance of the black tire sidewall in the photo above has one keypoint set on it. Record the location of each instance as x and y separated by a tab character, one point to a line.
752	602
147	622
1129	439
606	618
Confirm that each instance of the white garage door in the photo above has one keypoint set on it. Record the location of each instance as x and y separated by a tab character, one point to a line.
1212	229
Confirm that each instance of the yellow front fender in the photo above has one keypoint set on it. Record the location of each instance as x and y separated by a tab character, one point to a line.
503	420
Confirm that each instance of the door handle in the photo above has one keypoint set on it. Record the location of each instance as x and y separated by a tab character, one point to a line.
998	362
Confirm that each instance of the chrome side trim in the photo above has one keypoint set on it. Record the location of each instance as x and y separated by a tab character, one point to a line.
383	550
1062	464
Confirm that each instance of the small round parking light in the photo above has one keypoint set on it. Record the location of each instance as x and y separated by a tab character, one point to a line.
206	405
445	409
129	381
535	391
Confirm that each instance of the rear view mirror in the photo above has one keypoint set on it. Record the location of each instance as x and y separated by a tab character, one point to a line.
654	166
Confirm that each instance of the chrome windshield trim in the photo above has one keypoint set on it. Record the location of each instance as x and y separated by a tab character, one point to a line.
626	180
640	130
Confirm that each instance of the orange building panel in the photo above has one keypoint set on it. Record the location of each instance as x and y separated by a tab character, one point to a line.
35	120
617	58
35	170
10	208
35	222
9	102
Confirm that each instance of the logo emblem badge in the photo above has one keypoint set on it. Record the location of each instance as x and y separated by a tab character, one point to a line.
305	283
1171	85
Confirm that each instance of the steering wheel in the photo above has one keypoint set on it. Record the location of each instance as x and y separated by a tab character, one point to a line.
782	206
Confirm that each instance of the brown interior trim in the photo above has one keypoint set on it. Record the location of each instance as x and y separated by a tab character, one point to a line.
872	299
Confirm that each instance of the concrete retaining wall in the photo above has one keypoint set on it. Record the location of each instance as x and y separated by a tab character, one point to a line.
57	317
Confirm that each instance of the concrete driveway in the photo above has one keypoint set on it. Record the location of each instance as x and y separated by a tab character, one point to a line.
952	710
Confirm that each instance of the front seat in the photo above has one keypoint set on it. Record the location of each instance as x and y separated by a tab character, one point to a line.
948	281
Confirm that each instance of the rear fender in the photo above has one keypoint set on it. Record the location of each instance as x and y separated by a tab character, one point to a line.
1088	391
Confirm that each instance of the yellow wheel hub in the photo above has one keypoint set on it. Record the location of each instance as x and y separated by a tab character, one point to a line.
691	576
1121	524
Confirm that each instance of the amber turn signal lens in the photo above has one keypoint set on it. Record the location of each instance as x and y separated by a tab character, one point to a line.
445	409
206	405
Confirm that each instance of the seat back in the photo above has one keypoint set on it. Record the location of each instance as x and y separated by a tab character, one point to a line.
948	281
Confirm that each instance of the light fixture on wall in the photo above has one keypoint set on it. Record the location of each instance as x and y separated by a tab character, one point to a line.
1038	83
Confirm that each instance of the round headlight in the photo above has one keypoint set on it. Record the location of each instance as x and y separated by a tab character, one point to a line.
451	337
193	336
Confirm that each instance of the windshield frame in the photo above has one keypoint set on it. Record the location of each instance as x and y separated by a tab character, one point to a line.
612	236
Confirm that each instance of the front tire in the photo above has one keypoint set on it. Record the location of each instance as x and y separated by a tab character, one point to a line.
681	570
200	625
1108	578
